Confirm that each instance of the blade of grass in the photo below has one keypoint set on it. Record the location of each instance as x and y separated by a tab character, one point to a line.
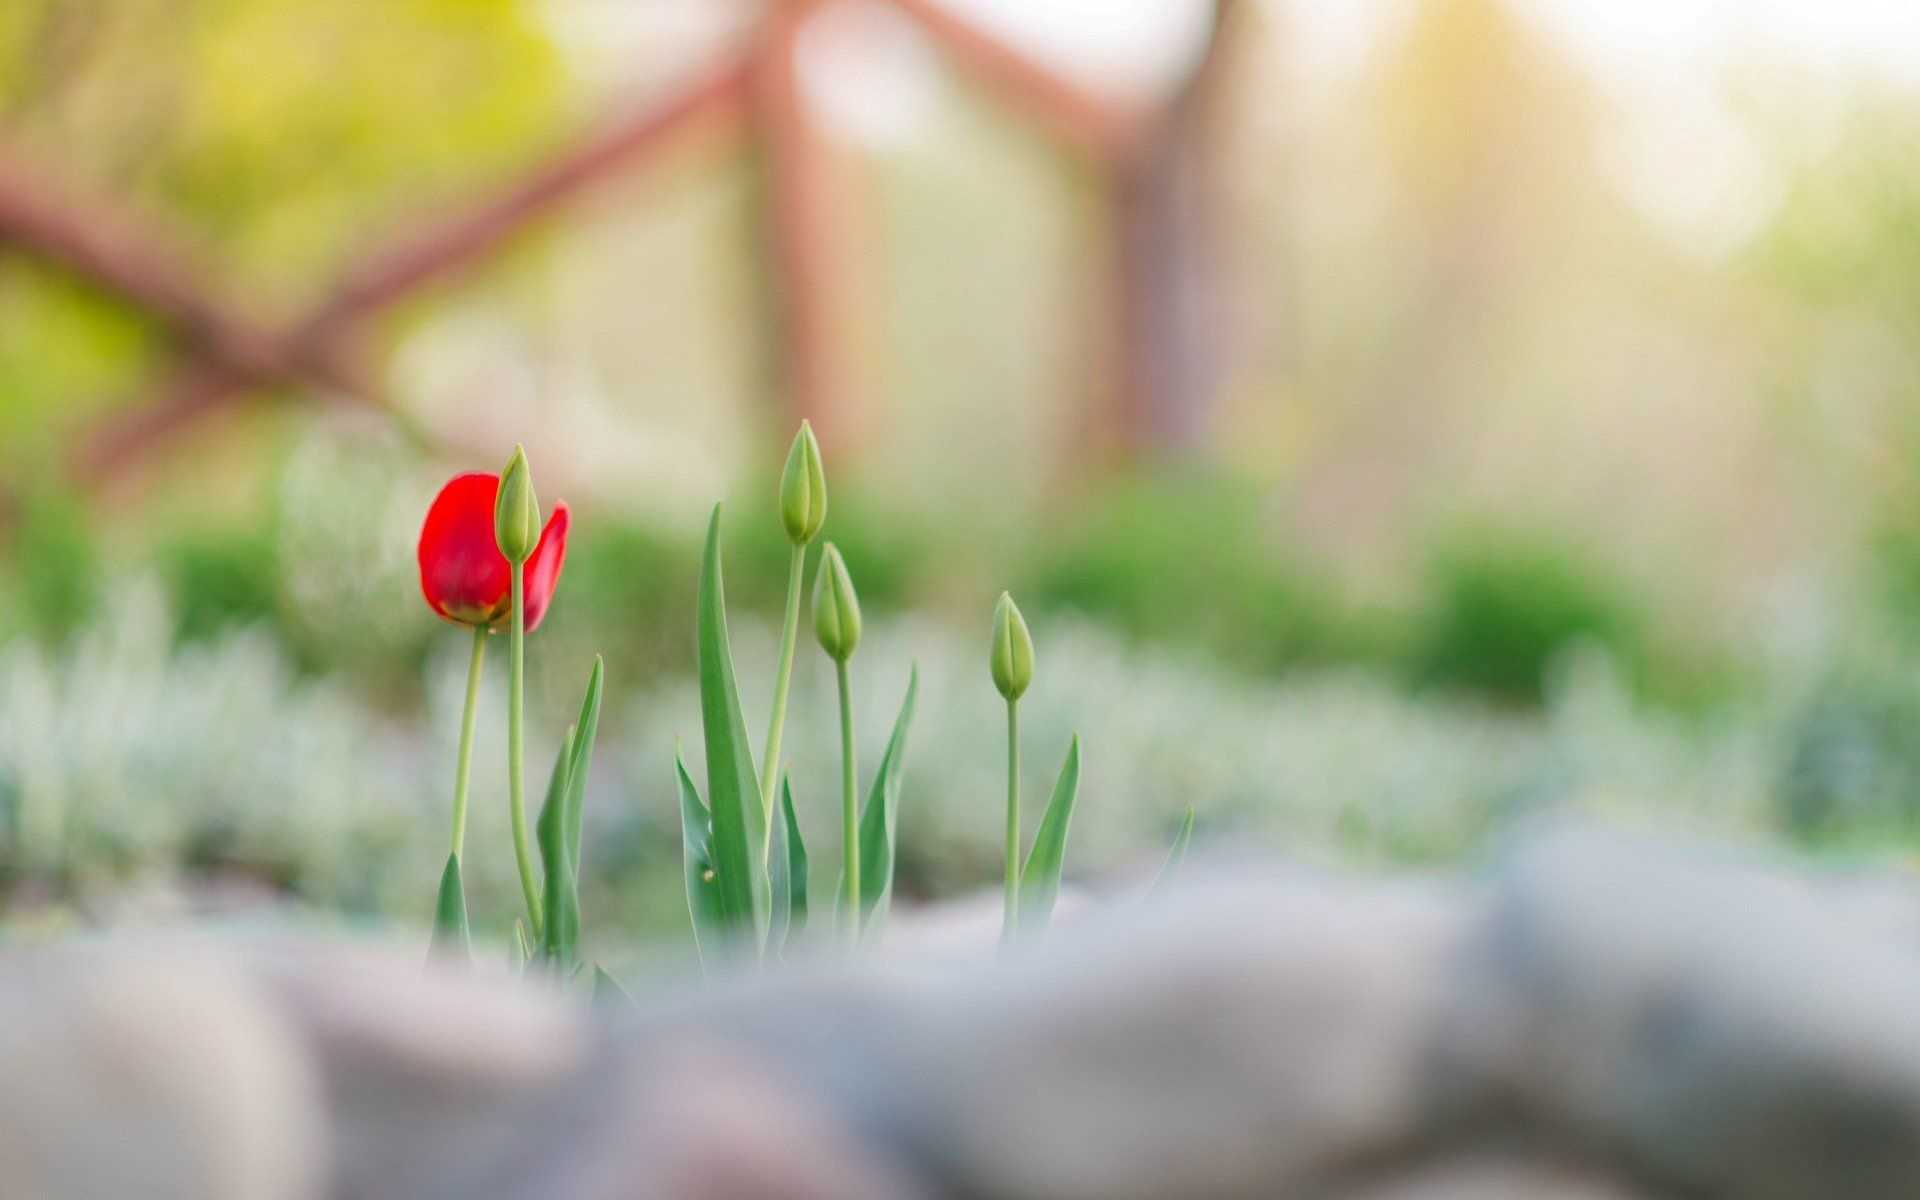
879	819
793	879
560	897
739	822
608	991
779	893
519	952
1176	857
579	757
1040	879
703	891
451	942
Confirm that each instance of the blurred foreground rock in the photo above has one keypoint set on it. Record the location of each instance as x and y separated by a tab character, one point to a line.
1602	1019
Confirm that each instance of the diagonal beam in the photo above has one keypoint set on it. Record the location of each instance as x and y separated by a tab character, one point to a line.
434	252
1106	128
134	255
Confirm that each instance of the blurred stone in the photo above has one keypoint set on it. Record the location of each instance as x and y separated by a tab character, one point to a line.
1606	1019
1719	1027
1255	1033
153	1072
1481	1178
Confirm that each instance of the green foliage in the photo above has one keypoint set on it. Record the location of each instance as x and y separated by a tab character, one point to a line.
704	902
558	930
608	991
880	818
451	941
1192	558
222	576
54	570
739	839
559	828
1176	856
1502	605
1040	878
1850	766
787	876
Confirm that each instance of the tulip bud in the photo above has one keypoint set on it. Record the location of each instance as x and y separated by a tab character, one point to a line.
1012	655
516	511
803	488
836	610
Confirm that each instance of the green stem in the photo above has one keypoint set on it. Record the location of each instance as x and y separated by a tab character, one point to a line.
1011	928
849	813
464	767
776	724
516	784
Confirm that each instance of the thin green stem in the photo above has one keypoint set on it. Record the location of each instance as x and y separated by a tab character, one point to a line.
849	813
464	767
776	723
1011	928
516	783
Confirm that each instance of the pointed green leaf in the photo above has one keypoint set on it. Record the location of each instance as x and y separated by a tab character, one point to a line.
880	816
579	756
519	952
560	932
739	819
559	829
1040	879
795	866
703	891
1176	857
779	893
450	942
607	991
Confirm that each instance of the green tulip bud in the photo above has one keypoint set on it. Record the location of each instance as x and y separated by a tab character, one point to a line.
836	610
803	488
516	512
1012	656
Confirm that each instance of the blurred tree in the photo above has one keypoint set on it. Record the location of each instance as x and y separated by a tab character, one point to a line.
274	132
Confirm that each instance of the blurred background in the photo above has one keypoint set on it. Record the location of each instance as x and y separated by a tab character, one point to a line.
1397	417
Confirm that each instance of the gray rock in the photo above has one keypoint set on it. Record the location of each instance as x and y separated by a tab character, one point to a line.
1607	1020
1250	1036
1709	1024
1481	1177
151	1072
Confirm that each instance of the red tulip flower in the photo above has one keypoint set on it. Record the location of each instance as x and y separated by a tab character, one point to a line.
465	577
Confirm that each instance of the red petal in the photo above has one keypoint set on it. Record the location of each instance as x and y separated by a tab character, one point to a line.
543	569
462	572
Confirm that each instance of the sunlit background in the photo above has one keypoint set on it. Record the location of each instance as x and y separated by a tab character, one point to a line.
1397	416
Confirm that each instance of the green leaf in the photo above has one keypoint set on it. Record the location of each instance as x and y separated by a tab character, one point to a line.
450	942
607	991
880	817
703	891
579	757
1040	879
1176	857
560	932
738	850
788	879
559	829
519	953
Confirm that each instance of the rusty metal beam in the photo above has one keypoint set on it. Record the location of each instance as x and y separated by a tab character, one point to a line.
132	254
437	251
813	252
1106	128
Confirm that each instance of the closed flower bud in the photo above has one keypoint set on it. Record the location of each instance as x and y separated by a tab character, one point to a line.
836	610
803	489
516	512
1012	655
